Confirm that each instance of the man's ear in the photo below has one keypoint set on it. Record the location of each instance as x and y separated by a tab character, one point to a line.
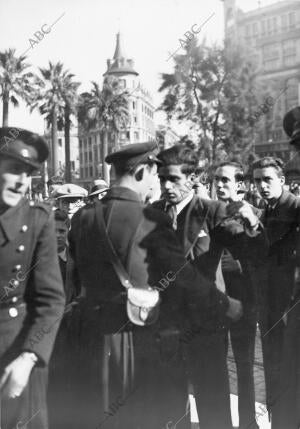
282	180
240	185
191	178
139	173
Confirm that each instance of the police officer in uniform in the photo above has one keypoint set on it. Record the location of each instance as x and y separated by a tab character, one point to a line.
32	297
136	371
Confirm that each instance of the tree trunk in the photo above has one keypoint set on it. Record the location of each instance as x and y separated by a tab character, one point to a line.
55	164
68	175
5	110
45	179
104	154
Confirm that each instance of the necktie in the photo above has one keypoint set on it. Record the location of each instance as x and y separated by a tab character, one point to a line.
172	212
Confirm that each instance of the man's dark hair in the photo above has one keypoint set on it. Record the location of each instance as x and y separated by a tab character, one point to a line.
239	169
269	161
60	215
180	155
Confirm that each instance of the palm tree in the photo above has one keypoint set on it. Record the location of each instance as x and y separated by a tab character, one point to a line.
15	81
106	109
69	94
48	98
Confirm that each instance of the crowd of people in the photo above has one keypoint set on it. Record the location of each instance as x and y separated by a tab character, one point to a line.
118	304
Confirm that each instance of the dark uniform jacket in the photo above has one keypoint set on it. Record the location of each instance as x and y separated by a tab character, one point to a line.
149	250
31	290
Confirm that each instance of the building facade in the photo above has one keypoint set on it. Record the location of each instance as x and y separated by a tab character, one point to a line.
271	38
141	124
74	153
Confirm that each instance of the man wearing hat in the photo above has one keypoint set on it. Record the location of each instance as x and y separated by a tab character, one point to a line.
140	370
70	198
98	190
32	298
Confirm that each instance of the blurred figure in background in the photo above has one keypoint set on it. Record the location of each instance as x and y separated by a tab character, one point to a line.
62	225
70	197
98	191
229	184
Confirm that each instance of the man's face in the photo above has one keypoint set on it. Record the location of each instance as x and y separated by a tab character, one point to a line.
70	205
226	184
61	231
268	183
14	181
175	185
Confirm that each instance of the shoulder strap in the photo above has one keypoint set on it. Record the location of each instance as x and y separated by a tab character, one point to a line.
108	246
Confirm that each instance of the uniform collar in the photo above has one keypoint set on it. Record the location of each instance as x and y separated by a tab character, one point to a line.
12	220
122	193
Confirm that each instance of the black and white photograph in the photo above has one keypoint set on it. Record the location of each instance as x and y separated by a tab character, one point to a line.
150	214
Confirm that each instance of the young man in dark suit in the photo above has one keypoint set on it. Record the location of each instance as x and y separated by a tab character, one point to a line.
31	290
237	273
203	233
140	367
276	278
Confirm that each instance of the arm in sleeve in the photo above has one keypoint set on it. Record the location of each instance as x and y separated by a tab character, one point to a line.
176	271
46	298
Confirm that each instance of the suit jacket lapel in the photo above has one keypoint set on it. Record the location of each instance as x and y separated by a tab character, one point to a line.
195	221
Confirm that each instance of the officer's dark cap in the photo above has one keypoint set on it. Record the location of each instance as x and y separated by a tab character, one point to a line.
23	145
134	154
291	125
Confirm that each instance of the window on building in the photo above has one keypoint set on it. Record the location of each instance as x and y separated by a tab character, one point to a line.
289	52
80	144
269	26
73	165
60	142
292	19
90	141
283	22
263	28
85	157
275	24
86	171
90	156
133	105
254	29
82	172
136	136
247	34
135	119
128	135
91	171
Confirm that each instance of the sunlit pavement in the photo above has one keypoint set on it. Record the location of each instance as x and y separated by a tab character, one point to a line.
262	418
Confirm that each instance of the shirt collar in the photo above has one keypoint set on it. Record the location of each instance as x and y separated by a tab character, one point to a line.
180	206
63	255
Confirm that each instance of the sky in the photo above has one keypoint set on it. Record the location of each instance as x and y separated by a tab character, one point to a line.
83	37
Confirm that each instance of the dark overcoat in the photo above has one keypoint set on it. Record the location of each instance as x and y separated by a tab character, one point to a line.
31	302
148	248
204	233
278	294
